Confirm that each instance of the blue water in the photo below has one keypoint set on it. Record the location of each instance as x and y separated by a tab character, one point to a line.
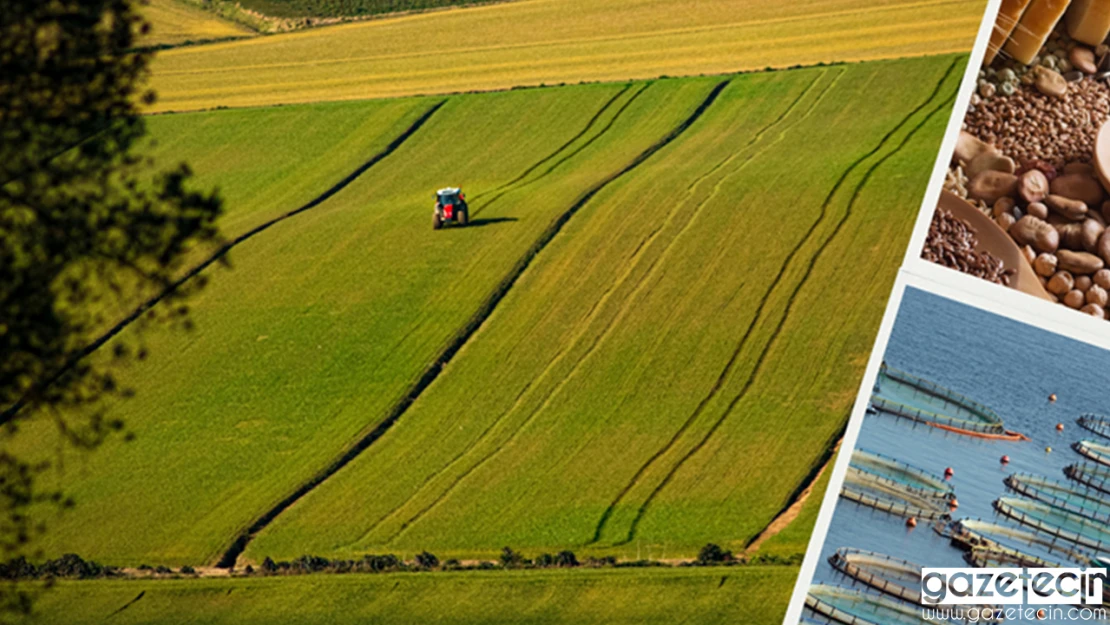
1008	366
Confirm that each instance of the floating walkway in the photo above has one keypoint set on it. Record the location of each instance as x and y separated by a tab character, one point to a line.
1091	450
892	497
903	395
989	557
996	538
1095	423
901	475
1090	475
1056	522
852	607
1076	499
898	578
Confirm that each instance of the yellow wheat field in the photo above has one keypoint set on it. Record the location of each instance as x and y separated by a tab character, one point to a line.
534	42
174	22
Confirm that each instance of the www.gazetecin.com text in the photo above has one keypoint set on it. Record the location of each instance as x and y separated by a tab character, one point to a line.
1078	614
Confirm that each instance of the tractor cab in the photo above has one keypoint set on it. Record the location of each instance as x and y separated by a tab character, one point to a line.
451	207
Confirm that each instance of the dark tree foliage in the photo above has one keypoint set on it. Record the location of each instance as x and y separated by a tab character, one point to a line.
88	229
714	554
426	560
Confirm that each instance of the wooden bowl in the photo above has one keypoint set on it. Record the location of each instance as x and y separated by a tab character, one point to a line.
995	240
1102	157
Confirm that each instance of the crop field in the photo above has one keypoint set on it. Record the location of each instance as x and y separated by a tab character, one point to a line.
613	597
349	8
173	23
503	45
794	538
267	162
673	317
667	288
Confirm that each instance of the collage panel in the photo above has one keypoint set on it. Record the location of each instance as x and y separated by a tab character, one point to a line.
979	443
1025	194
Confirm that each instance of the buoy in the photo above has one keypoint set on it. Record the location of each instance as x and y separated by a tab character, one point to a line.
1059	427
1052	397
1041	614
1048	450
949	472
911	522
1005	460
953	504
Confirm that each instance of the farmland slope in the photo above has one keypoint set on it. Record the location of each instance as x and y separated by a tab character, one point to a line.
330	318
580	597
174	23
266	162
642	385
513	44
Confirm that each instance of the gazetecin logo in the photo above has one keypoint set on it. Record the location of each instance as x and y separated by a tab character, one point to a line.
1013	594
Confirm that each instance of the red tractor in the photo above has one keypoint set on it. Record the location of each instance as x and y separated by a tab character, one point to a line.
451	206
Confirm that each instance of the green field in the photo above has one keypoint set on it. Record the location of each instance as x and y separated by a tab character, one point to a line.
174	22
757	595
534	42
723	271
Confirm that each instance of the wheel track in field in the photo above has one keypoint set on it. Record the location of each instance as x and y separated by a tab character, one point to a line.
10	412
431	373
731	363
604	130
517	402
540	163
499	192
607	514
642	511
588	319
728	159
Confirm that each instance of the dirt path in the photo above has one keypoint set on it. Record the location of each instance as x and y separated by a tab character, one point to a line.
786	517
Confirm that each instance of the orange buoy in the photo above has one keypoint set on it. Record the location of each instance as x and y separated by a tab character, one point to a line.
1052	397
953	504
1041	614
911	522
949	472
1059	427
1005	460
